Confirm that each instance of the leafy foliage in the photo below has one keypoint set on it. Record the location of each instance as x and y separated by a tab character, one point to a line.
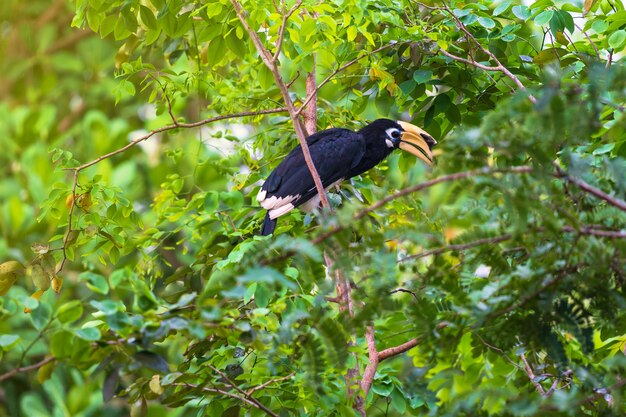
132	280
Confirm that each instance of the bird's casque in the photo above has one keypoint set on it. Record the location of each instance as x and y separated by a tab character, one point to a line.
338	154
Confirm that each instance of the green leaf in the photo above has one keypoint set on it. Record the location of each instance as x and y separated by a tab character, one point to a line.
211	201
147	17
41	315
262	295
544	17
250	290
421	76
617	39
599	25
486	22
232	200
70	311
90	334
502	7
521	12
398	401
9	341
95	282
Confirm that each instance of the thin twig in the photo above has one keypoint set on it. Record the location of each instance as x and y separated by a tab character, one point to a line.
271	64
500	351
249	397
531	375
281	31
405	290
590	41
616	202
248	401
338	70
499	66
458	247
469	61
418	187
28	368
270	382
175	125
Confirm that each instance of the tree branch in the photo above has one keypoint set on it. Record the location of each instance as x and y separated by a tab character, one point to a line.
267	383
28	368
271	64
616	202
458	247
370	369
499	66
243	399
418	187
244	394
397	350
173	126
310	114
281	31
335	72
531	375
469	61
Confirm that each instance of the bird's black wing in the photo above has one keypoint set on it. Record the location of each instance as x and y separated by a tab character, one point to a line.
334	152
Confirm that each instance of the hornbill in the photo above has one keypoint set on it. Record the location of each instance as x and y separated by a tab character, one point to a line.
338	154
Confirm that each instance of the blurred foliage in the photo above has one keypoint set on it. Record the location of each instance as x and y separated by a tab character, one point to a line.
161	295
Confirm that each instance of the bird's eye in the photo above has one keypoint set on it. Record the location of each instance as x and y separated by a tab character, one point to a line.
394	133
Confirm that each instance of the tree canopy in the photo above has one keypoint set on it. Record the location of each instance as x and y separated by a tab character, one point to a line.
136	134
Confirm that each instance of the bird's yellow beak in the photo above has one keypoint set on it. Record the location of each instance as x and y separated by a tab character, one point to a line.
417	142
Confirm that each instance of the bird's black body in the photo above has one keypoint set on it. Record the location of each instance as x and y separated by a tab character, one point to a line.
338	154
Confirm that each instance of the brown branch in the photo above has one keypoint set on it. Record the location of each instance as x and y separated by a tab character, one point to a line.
28	368
469	61
253	402
271	64
68	231
592	231
175	125
458	247
418	187
584	230
499	66
267	383
245	395
497	349
335	72
310	114
397	350
370	370
616	202
531	375
281	31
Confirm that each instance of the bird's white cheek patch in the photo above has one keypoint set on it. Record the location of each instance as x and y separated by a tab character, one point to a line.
389	143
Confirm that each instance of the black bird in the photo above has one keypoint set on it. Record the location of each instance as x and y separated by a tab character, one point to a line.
338	154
